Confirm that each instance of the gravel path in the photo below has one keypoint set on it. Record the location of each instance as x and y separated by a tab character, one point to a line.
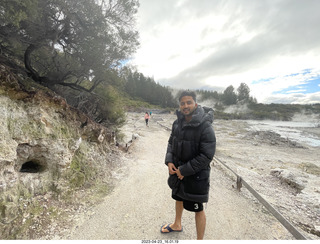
141	203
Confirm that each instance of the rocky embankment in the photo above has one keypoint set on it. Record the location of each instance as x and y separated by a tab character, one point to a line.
54	161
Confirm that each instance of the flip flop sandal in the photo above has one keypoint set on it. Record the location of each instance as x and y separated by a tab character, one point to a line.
169	229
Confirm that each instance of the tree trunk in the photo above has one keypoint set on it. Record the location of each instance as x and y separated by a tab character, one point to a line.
27	63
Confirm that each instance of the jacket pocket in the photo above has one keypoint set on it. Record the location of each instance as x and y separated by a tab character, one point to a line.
197	184
173	181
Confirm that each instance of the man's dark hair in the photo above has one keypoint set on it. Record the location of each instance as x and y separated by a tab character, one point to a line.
188	93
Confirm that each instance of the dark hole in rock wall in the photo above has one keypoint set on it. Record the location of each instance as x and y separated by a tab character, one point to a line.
32	167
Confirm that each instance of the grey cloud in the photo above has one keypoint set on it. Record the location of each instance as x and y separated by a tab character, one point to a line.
155	13
285	27
295	98
292	19
229	59
313	98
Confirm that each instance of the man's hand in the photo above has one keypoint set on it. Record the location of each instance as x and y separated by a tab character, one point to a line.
180	176
173	170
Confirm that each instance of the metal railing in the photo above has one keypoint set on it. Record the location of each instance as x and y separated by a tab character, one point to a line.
272	210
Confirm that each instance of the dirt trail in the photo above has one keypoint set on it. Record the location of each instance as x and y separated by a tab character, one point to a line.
141	202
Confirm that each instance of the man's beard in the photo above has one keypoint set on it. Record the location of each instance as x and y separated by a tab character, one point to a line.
189	111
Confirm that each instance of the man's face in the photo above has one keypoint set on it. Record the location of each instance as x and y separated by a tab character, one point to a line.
187	105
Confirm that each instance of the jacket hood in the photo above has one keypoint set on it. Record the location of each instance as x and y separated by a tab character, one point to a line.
200	115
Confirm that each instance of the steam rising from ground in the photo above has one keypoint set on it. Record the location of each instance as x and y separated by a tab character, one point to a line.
312	118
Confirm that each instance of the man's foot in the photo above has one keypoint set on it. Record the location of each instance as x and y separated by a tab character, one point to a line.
170	228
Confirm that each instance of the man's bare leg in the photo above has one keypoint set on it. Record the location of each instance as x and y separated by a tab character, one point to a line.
177	222
200	224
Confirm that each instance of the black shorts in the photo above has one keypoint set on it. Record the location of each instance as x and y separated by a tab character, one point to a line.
189	205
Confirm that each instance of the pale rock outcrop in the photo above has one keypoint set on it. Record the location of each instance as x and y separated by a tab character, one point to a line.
41	137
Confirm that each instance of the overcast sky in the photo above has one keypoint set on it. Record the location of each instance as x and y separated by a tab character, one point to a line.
272	45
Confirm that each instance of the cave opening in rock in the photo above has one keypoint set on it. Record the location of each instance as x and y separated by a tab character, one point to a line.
32	167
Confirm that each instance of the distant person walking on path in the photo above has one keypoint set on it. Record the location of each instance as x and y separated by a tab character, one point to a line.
191	147
146	118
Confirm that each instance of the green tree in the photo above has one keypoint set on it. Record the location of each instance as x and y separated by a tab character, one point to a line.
140	87
243	93
68	42
229	97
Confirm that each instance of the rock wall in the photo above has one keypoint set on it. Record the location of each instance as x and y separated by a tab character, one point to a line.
46	147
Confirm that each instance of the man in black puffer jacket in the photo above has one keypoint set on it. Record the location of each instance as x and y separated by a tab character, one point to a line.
191	147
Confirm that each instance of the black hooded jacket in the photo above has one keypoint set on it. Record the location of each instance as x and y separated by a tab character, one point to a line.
191	148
